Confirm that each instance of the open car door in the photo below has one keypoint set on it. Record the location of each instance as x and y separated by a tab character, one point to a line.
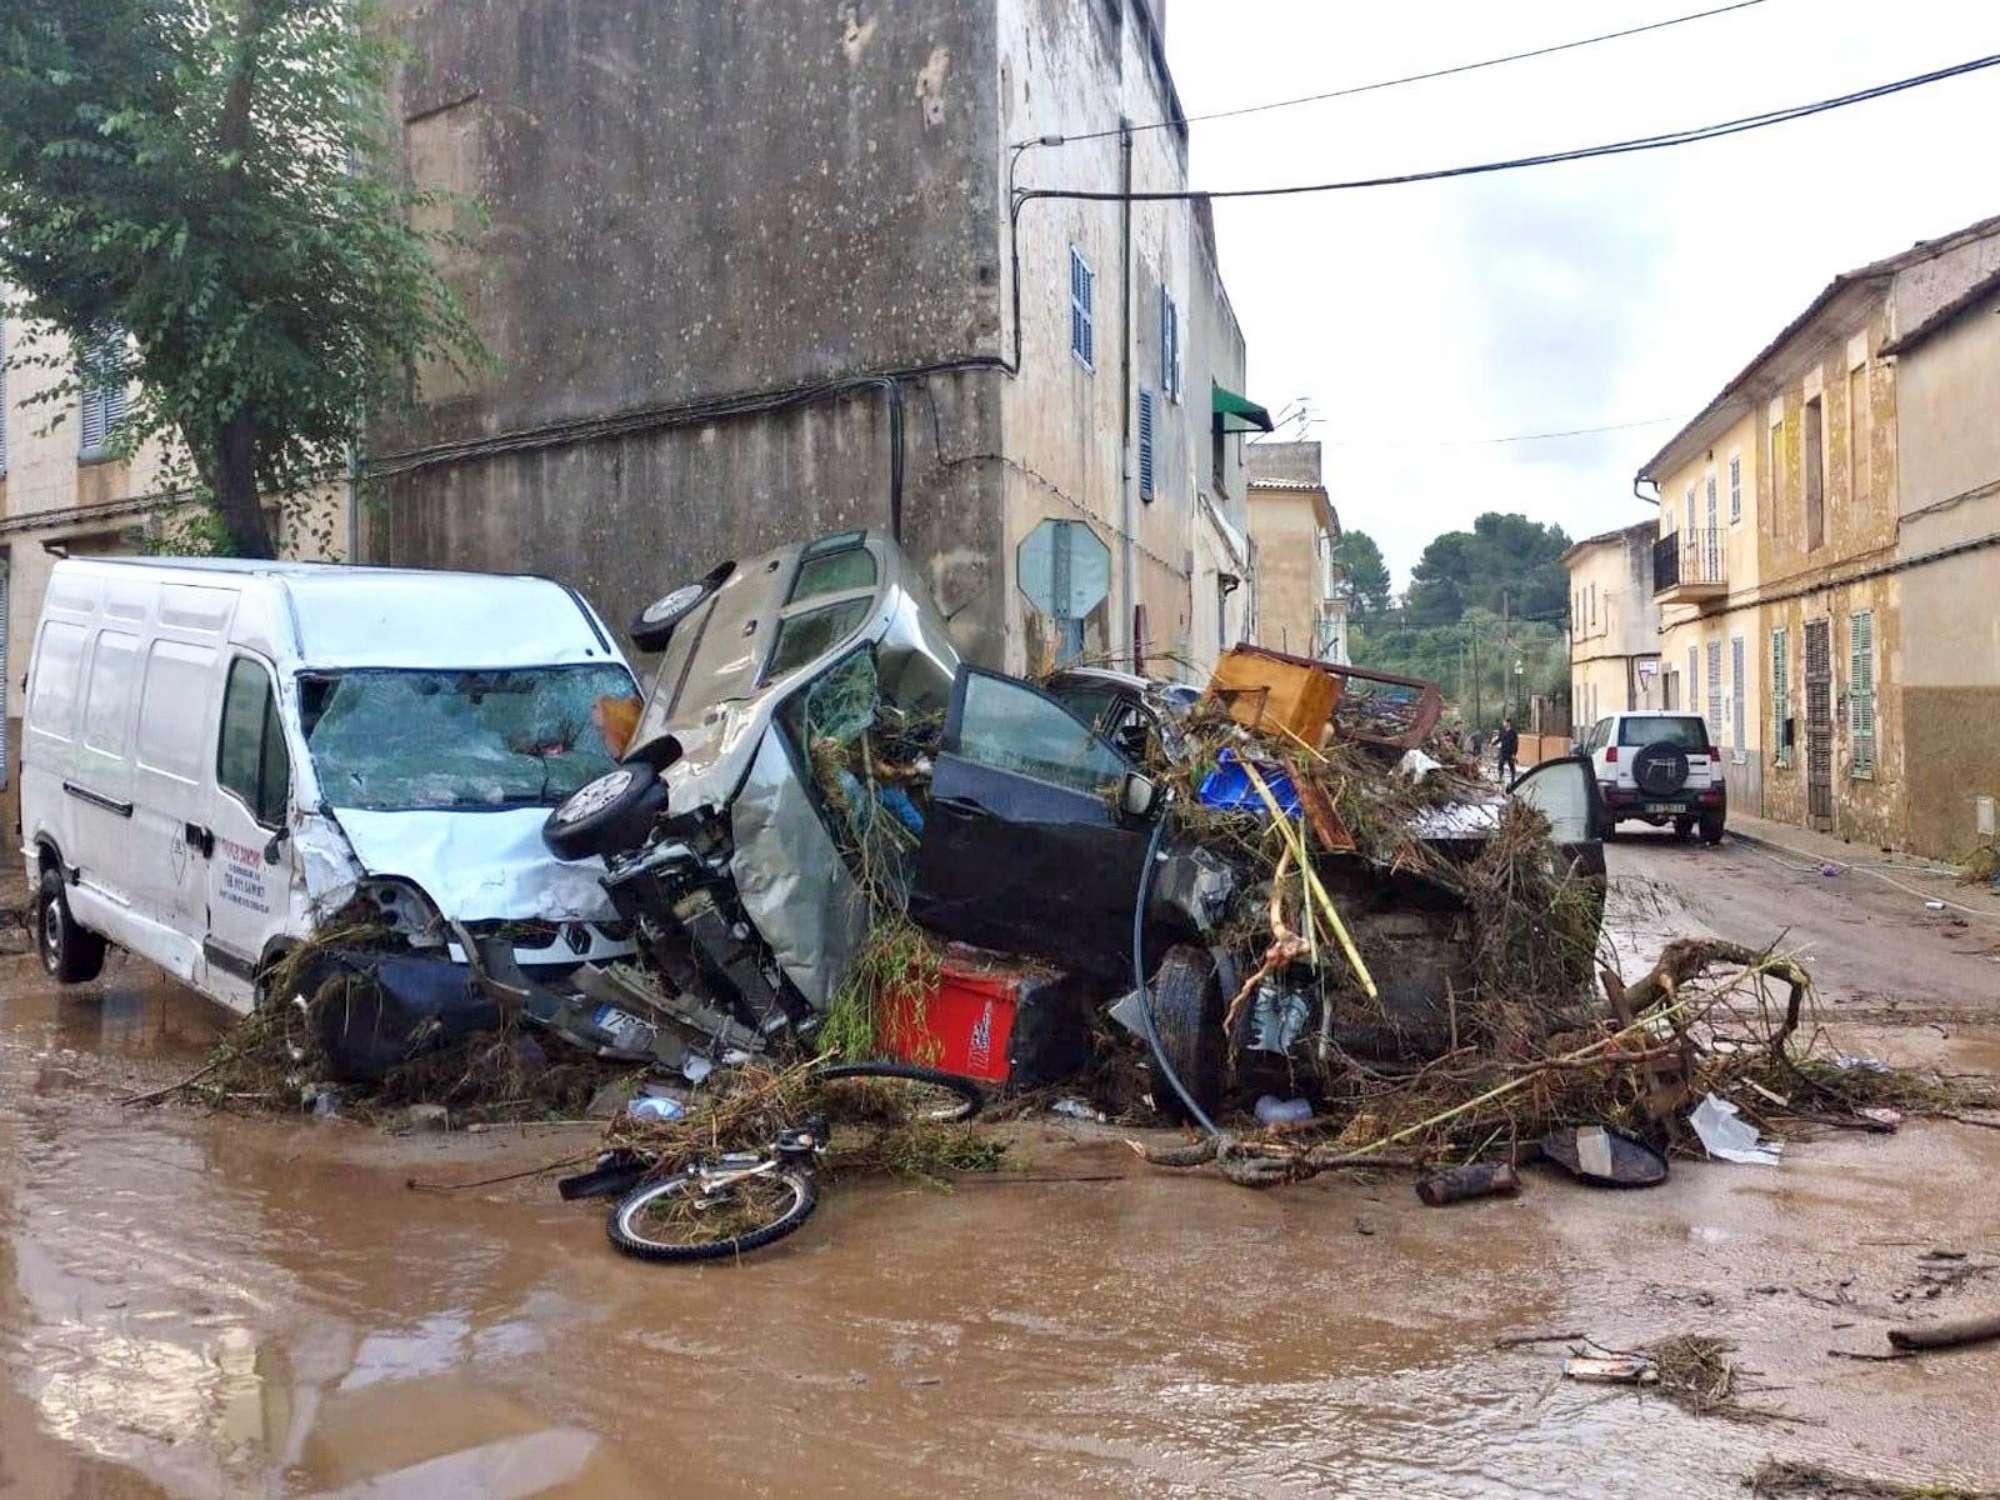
1037	830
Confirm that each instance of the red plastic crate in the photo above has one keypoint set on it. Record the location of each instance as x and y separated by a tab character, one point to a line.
963	1026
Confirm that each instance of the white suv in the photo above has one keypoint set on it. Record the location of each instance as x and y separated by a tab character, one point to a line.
1659	768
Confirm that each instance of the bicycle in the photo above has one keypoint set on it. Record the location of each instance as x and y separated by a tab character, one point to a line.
732	1202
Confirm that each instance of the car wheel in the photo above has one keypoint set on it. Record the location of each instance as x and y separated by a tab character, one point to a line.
606	816
1683	827
1187	1012
1711	828
70	953
654	625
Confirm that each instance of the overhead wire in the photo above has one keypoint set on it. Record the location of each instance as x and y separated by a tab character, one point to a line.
1390	83
1518	437
1689	136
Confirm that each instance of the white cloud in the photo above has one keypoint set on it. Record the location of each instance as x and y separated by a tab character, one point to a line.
1418	318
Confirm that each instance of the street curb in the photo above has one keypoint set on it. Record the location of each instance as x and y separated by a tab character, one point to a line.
1927	867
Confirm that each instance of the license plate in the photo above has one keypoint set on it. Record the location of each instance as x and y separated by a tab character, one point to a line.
1662	807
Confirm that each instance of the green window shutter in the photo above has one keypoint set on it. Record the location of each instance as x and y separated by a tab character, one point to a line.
1861	689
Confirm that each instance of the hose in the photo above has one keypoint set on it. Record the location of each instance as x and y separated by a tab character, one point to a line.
1194	1110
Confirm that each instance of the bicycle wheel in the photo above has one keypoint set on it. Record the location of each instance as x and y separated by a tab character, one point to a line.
893	1093
717	1209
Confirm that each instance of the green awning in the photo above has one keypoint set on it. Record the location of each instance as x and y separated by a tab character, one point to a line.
1234	413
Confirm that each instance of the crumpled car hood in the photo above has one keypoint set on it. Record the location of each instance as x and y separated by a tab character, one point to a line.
479	866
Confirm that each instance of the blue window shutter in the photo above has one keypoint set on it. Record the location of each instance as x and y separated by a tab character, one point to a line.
1082	335
1145	445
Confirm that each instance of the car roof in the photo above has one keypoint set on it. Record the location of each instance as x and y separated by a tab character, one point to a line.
333	615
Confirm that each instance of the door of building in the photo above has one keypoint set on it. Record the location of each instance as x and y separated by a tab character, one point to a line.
1819	725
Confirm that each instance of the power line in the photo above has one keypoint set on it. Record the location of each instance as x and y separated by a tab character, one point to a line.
1518	437
1548	158
1390	83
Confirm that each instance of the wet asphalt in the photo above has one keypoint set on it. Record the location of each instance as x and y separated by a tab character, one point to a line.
193	1304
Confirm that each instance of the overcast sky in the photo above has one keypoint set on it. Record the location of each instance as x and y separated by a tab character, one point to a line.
1419	319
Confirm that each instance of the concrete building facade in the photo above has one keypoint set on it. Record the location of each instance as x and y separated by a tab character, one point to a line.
755	273
1301	602
1614	633
1816	632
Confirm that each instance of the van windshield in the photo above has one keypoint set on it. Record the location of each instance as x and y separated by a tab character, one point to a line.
393	741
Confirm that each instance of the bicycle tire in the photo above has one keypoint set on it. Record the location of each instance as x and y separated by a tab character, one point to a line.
972	1098
619	1225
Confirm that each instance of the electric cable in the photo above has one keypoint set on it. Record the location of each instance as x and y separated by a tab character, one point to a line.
1685	137
1390	83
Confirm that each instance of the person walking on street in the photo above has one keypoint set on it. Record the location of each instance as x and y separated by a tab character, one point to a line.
1509	746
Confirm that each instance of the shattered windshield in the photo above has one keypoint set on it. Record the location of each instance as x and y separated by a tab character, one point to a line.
401	741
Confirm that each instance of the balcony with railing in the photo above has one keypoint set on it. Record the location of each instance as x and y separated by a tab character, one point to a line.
1690	567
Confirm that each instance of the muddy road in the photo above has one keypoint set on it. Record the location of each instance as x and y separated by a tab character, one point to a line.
198	1305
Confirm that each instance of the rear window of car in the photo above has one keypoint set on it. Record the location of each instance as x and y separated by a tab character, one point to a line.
1685	733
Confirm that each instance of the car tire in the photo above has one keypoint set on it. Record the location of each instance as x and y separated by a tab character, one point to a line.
71	954
654	625
1711	827
606	816
1683	827
1186	996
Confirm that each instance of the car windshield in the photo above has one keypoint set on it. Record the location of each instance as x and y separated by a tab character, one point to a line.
408	741
1683	733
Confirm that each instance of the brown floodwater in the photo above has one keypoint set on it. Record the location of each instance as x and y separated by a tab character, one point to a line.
208	1305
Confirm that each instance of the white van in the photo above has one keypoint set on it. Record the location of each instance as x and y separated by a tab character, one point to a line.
217	756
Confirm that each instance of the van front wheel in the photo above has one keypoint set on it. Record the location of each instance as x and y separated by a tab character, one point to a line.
70	953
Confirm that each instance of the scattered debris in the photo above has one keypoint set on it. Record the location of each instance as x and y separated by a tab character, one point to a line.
1726	1135
1604	1158
1946	1335
1272	1110
1784	1477
1477	1180
1617	1369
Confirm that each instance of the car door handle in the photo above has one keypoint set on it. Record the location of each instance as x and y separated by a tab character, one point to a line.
200	838
964	807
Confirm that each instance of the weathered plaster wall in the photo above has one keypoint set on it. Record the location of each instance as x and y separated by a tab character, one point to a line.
686	202
1290	576
1614	627
1948	413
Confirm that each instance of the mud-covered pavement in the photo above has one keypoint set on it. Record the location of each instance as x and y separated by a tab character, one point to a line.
194	1305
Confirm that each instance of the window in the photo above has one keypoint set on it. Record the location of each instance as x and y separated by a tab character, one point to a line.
1009	726
1814	461
1221	613
251	762
814	633
1712	703
172	707
1170	347
1774	464
57	665
1857	432
1693	680
107	709
1861	691
1082	299
1686	733
1738	699
1781	698
1593	606
1735	488
1711	542
102	399
1145	444
838	572
1687	520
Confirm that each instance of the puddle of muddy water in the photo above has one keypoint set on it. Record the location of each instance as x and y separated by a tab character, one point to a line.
200	1305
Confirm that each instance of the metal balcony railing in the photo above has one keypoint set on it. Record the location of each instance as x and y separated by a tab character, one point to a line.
1682	558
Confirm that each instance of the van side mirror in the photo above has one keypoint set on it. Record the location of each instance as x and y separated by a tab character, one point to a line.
273	849
1136	795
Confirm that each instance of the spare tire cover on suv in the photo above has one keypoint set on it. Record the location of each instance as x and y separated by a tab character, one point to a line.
1660	769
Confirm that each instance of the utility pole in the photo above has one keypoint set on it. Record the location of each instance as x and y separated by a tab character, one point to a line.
1478	720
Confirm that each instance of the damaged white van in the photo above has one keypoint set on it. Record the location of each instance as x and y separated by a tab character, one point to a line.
217	756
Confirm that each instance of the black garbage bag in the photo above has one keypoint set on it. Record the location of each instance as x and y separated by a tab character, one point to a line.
392	1007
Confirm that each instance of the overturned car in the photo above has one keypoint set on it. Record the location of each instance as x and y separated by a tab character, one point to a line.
813	752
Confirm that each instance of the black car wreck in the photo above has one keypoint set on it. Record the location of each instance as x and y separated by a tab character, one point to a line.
813	753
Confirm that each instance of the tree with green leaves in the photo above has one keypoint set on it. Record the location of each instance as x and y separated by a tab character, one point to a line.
1367	574
1503	557
200	194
